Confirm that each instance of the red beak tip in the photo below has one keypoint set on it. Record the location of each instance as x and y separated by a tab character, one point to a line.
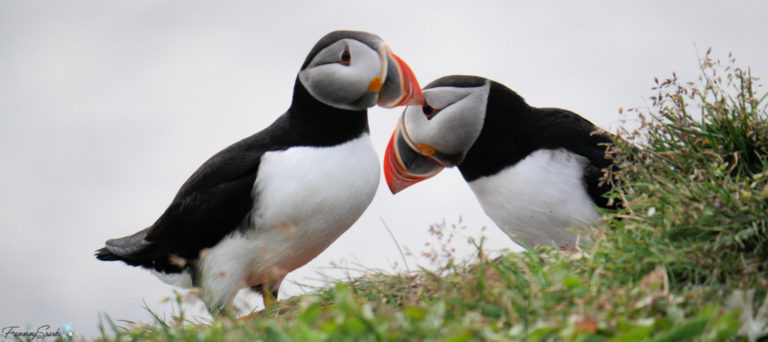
396	186
391	171
393	189
413	95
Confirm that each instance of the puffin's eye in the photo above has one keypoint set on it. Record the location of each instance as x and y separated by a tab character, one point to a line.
345	58
429	111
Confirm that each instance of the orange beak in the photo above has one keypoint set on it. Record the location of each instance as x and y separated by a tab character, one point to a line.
403	164
400	87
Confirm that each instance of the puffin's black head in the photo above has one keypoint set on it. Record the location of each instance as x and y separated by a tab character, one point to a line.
441	132
355	70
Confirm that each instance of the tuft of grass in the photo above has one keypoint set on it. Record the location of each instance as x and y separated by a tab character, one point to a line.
538	295
696	191
683	259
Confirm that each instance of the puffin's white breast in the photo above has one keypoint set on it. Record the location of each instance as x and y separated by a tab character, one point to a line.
306	198
539	198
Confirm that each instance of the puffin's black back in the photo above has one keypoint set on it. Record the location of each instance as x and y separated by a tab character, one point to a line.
218	196
512	130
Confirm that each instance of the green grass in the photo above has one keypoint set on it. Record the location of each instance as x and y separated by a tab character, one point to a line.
684	259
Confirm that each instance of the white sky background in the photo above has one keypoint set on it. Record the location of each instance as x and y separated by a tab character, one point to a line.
106	107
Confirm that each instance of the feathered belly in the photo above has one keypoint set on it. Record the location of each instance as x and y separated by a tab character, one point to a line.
539	198
306	197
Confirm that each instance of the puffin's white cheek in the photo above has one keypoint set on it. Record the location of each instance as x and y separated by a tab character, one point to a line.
333	84
452	131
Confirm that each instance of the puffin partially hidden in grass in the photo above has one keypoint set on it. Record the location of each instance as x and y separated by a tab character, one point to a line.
273	201
535	171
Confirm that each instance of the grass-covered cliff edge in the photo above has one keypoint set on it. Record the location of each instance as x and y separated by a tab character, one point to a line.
686	258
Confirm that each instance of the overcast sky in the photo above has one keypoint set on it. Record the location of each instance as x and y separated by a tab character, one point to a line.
106	107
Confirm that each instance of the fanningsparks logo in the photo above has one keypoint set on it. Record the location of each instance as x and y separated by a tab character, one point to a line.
15	332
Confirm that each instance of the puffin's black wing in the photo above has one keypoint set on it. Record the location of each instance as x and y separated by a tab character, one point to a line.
571	131
211	204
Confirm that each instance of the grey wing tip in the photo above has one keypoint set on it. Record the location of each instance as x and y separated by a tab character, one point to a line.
127	247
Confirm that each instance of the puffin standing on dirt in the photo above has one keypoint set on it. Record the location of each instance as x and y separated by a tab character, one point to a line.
535	171
273	201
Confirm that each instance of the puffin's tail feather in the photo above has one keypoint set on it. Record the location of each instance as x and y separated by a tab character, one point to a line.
134	249
104	254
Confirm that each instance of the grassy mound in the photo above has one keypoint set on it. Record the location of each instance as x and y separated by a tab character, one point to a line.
696	192
684	259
